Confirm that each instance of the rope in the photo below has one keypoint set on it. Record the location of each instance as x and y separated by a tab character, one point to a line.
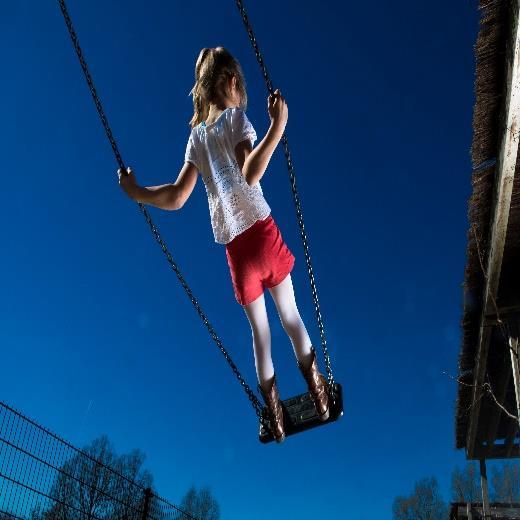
296	200
255	402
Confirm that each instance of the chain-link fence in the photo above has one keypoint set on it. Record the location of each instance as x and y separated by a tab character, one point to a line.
43	477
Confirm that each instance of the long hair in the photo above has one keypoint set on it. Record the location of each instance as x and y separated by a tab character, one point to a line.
213	68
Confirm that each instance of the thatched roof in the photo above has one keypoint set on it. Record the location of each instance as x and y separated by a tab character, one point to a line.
493	54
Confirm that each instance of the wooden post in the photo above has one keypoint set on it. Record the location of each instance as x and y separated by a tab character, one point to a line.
515	363
469	511
146	506
485	491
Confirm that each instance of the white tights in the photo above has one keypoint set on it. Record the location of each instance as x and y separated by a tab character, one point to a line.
283	296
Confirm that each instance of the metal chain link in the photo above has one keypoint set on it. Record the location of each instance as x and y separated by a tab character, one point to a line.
255	402
296	198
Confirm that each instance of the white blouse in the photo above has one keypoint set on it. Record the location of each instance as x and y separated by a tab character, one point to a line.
234	206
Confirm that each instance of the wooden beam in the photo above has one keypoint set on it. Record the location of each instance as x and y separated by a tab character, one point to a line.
506	165
485	490
499	451
509	309
504	313
515	364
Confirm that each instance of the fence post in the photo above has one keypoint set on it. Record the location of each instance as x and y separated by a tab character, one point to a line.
147	500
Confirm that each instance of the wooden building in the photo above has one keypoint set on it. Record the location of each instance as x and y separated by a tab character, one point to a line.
489	386
488	400
472	511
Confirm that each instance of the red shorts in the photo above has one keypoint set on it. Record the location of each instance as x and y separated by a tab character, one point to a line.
258	258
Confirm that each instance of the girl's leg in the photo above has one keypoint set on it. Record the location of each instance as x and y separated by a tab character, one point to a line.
257	315
283	296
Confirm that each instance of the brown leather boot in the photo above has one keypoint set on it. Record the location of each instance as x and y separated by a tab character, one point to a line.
274	407
318	388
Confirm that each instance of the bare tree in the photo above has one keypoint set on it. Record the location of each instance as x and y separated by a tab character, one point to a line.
201	504
6	516
506	483
425	503
98	484
465	484
403	508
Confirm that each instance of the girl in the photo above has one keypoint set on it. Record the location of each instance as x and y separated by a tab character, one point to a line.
220	148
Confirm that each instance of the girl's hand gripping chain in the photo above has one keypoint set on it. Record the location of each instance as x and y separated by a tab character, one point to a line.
128	182
278	111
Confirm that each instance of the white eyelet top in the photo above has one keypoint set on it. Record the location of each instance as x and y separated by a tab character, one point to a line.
234	206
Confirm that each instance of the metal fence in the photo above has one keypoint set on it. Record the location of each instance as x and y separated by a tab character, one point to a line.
43	477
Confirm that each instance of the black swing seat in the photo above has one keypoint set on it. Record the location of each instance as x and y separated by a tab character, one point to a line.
300	414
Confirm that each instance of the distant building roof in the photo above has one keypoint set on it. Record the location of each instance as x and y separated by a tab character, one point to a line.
459	511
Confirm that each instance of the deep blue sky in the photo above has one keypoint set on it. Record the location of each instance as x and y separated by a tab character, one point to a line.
98	337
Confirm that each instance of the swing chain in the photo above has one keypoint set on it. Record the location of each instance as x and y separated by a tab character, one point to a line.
250	394
90	82
296	199
255	402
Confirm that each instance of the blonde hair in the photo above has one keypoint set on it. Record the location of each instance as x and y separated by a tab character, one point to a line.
213	67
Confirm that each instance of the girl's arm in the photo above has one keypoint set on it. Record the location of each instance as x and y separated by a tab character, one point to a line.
166	196
253	162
